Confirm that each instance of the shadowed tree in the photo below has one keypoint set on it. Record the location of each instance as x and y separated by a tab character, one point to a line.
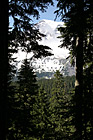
21	105
59	110
41	115
21	32
3	66
24	34
76	15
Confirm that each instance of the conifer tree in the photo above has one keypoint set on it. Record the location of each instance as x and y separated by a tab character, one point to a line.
88	74
22	30
22	126
11	91
41	113
21	12
59	109
76	15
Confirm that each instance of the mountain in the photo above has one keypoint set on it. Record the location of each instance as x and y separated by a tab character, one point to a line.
58	61
50	29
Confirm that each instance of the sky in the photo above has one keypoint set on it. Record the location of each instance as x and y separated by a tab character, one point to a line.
49	14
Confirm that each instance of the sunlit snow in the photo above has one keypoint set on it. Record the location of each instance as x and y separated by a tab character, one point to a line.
52	63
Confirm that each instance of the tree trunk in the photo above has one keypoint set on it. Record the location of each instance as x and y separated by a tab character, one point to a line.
3	66
79	88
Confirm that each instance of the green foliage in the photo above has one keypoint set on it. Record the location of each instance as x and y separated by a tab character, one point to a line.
88	102
50	113
41	115
69	84
59	109
21	126
47	84
23	35
77	37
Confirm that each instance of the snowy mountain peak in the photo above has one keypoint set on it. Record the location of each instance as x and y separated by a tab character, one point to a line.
58	61
50	29
49	26
53	24
52	63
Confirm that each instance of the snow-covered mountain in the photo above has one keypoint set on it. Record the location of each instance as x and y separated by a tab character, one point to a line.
58	61
51	63
50	29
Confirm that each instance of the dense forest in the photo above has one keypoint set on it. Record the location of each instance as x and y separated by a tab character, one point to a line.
41	109
47	84
55	109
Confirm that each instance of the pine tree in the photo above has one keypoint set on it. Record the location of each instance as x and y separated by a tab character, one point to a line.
88	74
11	90
75	14
22	126
41	115
20	33
59	109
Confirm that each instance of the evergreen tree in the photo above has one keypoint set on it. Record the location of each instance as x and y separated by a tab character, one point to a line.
88	74
76	15
11	90
59	109
41	113
22	126
88	103
22	30
69	84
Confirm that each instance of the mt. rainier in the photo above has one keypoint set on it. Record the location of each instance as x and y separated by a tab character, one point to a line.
50	29
57	61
